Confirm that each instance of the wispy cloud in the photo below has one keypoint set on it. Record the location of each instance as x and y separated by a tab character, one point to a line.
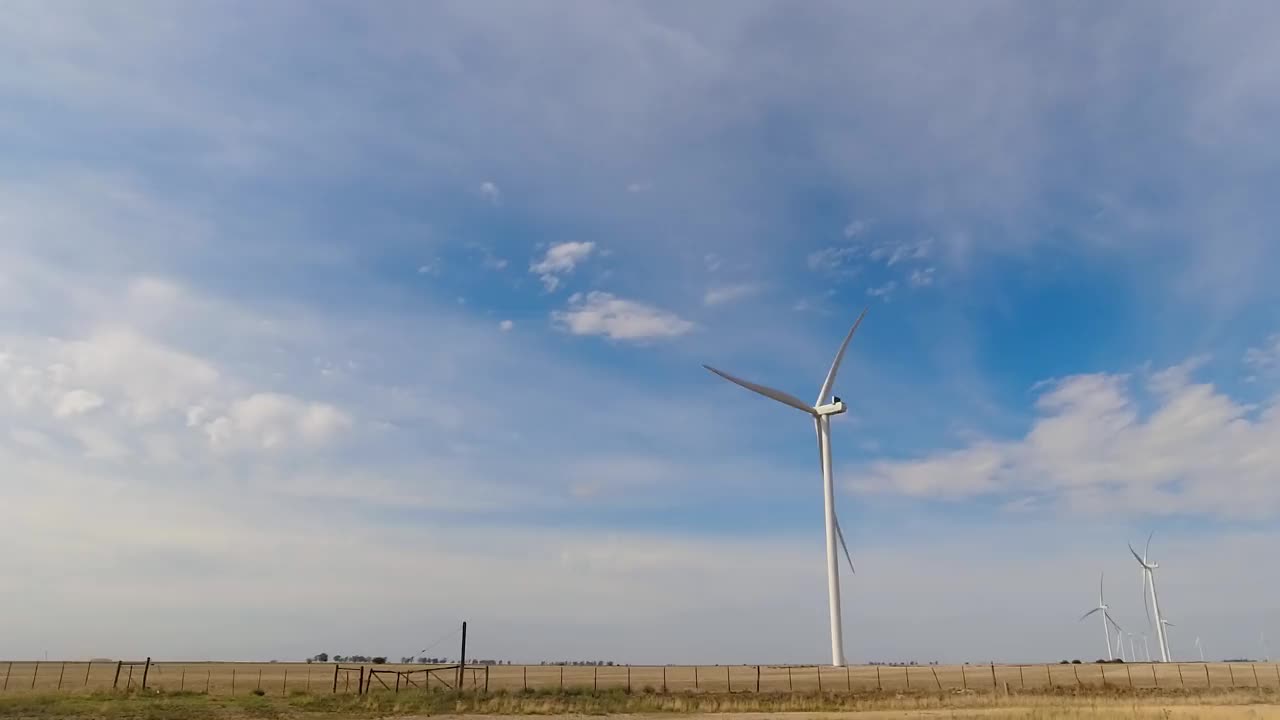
599	313
560	260
883	291
730	293
491	192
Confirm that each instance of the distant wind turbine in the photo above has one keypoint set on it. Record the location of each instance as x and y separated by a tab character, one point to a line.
1266	651
1200	648
821	412
1106	618
1119	639
1146	647
1133	654
1168	651
1149	580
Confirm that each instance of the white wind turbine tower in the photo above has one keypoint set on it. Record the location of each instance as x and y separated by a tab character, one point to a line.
821	412
1149	580
1106	619
1200	648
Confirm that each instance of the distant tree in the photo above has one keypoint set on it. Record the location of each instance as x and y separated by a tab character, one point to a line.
322	657
379	660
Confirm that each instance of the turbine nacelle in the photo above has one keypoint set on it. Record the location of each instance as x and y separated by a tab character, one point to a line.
835	408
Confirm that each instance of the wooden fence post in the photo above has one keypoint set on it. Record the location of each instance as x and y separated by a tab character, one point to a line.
63	669
182	681
284	684
664	679
993	677
524	675
34	674
848	681
1049	675
695	678
1076	668
7	672
116	683
208	675
1128	669
562	678
878	685
1104	675
145	670
728	681
935	676
233	681
964	680
1021	680
906	672
790	687
664	675
308	680
335	678
595	677
88	666
486	678
1232	672
1254	666
128	681
259	678
1181	681
360	685
819	669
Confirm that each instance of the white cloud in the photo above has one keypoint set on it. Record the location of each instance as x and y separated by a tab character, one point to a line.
1093	447
273	420
560	260
855	228
922	277
730	293
431	268
883	291
638	187
506	325
1264	359
77	402
712	261
831	259
599	313
491	192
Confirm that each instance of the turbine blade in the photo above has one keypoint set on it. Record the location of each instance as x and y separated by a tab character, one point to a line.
840	534
1082	617
768	392
1114	624
1101	602
1136	556
1146	551
827	384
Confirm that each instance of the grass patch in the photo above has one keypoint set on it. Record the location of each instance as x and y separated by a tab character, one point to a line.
1072	702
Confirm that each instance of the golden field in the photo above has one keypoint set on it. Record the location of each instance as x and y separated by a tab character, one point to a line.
277	679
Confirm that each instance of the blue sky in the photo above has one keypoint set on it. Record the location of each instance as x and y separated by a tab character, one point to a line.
326	326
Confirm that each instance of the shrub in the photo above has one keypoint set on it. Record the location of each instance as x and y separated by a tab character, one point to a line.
259	692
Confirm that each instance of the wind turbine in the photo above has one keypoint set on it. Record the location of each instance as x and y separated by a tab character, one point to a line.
1149	580
1119	638
1106	618
1133	654
1200	648
821	412
1168	652
1146	647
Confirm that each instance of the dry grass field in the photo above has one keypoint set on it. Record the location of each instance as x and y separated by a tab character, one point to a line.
285	678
